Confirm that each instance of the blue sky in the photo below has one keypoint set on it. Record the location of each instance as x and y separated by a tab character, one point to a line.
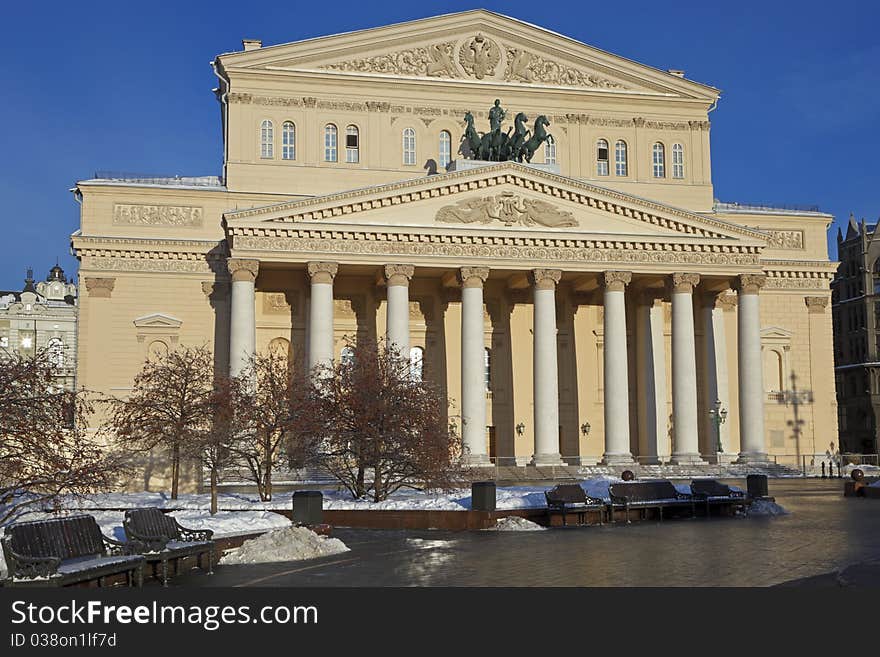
126	86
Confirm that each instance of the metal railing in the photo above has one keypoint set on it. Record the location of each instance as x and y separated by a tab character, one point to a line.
765	207
155	179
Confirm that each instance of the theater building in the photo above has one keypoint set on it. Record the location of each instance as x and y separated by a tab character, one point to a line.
596	305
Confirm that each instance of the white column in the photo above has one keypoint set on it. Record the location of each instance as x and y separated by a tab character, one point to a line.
685	439
546	375
751	380
397	279
321	275
616	380
715	358
651	357
473	381
242	322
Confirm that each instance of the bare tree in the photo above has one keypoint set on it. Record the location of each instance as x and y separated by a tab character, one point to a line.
46	448
382	428
274	411
213	448
170	405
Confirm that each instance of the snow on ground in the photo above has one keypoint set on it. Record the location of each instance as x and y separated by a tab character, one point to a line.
515	524
288	544
765	508
231	523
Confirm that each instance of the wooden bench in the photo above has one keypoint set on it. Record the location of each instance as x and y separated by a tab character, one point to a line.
160	539
564	498
712	492
62	551
655	494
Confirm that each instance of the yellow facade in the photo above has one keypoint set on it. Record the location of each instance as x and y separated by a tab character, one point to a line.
154	253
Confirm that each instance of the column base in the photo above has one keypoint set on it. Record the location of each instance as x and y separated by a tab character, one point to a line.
686	459
540	460
618	459
753	457
476	460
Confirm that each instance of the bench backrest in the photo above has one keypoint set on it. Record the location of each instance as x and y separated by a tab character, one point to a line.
64	538
643	491
709	487
566	494
152	522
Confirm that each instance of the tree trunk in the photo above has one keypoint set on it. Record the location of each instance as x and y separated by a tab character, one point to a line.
359	485
213	491
175	470
267	479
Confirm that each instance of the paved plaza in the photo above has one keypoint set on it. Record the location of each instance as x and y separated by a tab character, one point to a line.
824	539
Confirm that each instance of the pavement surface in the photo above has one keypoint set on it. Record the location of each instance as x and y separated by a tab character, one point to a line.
826	540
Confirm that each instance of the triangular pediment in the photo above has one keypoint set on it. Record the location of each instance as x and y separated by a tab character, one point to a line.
505	198
473	46
158	320
776	333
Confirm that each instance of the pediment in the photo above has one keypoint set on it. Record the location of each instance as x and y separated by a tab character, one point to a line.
507	199
775	334
158	320
473	46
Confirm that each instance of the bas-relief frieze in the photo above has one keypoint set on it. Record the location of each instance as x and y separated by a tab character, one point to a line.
488	251
785	239
129	214
275	303
110	263
508	209
477	57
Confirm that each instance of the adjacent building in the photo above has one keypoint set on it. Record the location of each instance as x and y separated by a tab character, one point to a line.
595	305
855	295
42	316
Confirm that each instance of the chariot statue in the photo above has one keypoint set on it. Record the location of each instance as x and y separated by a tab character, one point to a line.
498	146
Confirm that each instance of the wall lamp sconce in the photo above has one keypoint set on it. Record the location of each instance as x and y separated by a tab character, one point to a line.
585	428
520	429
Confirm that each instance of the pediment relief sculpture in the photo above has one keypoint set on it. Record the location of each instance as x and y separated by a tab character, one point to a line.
476	57
507	208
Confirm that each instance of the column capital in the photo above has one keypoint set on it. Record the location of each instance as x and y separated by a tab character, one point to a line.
684	282
399	274
546	279
100	287
616	281
473	276
322	272
243	269
751	283
725	301
816	304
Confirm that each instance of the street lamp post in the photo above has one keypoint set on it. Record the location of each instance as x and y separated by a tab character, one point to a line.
718	415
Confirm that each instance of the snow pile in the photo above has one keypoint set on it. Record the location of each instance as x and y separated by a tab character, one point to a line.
765	508
515	524
231	523
288	544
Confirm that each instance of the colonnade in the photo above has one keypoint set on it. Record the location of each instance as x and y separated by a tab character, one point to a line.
544	282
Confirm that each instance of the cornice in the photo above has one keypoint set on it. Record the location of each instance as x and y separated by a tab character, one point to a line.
407	191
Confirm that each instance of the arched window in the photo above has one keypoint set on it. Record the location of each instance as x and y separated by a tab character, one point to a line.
487	367
409	146
330	143
601	158
659	160
620	168
288	141
877	276
416	363
56	352
677	161
157	350
550	151
267	140
773	370
445	151
352	144
346	356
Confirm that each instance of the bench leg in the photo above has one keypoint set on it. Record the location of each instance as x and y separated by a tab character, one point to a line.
165	572
211	561
627	514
